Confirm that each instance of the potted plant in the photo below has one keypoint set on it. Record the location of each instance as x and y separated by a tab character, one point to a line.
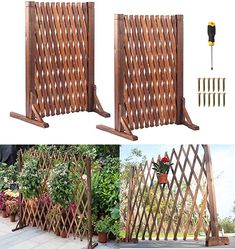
12	207
3	199
162	168
60	190
102	227
115	223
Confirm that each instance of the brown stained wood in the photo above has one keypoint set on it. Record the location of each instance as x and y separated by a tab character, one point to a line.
158	60
30	45
118	133
29	120
211	193
90	71
129	208
59	60
218	241
118	69
148	203
133	65
152	69
149	72
179	69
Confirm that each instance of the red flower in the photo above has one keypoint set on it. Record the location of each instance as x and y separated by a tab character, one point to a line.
165	159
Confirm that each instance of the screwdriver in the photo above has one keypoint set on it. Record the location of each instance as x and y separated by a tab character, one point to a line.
211	33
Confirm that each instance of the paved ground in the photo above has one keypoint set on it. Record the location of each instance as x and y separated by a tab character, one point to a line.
33	238
174	244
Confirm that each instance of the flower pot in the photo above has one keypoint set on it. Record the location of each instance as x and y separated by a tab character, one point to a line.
4	214
112	236
162	178
12	217
63	234
57	232
102	237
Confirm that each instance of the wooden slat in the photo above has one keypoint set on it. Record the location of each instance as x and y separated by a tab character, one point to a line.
149	70
61	61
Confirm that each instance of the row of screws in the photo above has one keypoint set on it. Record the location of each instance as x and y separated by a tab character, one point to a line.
209	95
215	86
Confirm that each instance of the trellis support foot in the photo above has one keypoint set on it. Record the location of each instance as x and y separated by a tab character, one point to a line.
187	120
102	113
217	241
40	123
98	107
18	227
116	132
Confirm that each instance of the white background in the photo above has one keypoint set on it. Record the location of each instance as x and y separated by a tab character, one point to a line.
216	124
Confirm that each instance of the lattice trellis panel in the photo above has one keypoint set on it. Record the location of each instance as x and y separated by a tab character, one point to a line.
149	70
75	220
61	57
59	61
180	208
148	74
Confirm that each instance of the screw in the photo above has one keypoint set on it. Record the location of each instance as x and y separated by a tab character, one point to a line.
223	84
224	99
204	99
209	99
198	84
208	84
218	84
213	99
204	84
218	99
213	84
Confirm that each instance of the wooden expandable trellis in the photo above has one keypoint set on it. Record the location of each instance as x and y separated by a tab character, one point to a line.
42	213
148	74
185	206
59	61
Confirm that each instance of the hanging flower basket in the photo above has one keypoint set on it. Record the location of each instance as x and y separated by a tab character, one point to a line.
162	178
162	168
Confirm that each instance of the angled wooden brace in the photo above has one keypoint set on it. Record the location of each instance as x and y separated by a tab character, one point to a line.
98	107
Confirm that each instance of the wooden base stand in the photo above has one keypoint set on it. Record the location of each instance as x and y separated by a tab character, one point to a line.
125	131
116	132
217	241
35	118
187	120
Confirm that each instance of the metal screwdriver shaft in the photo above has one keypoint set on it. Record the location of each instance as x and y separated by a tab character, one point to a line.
211	42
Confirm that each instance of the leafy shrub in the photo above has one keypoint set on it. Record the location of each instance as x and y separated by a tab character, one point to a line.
60	185
30	179
105	186
103	225
8	175
228	224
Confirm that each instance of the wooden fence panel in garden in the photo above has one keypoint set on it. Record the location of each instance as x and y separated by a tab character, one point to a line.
59	61
42	213
148	74
184	207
